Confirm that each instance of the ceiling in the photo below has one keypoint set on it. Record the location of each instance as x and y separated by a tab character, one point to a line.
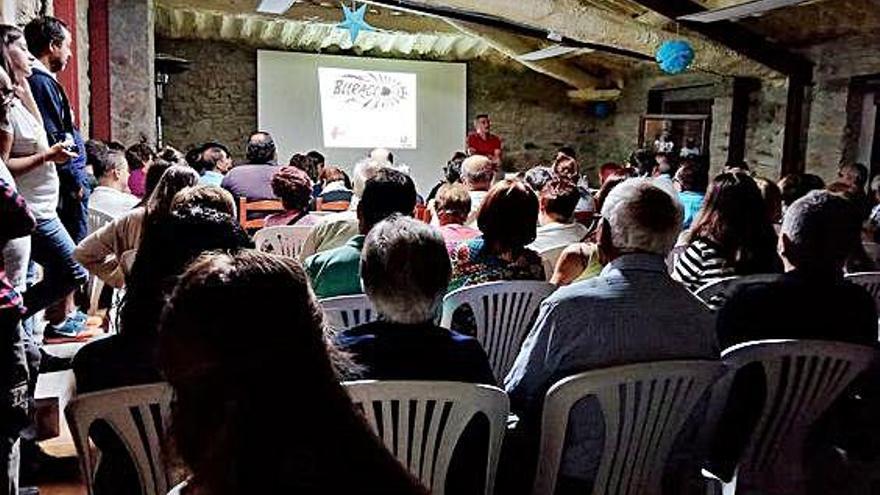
310	25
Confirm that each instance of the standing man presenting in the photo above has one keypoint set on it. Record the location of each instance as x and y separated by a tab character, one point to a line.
50	42
482	142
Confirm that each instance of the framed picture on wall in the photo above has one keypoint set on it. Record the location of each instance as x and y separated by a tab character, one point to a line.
680	135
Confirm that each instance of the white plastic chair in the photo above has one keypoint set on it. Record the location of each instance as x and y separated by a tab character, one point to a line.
420	422
549	257
285	240
644	406
139	415
870	281
503	312
803	379
344	312
96	219
715	293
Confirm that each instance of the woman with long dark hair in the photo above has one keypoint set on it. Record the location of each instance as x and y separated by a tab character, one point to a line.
233	436
732	234
108	252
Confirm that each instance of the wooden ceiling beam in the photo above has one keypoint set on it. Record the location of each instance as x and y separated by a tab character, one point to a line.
737	38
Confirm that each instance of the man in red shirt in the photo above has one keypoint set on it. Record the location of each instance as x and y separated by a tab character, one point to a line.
483	142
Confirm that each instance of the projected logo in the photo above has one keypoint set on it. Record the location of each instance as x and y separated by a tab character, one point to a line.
367	109
372	90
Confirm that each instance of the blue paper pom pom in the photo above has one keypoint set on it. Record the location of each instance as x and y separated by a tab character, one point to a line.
674	56
601	109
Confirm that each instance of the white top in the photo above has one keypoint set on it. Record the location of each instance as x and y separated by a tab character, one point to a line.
112	201
39	185
6	175
556	234
477	198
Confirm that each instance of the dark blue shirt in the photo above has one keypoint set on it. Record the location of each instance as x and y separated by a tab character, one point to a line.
395	351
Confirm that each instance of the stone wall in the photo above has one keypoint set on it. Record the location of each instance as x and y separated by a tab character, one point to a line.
216	99
831	139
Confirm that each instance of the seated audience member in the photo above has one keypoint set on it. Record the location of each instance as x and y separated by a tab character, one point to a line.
795	186
508	219
453	205
557	201
854	174
817	235
96	151
567	167
223	428
666	166
633	312
811	301
537	177
336	194
139	157
642	162
336	272
405	271
731	236
294	188
129	358
253	180
104	252
609	169
451	174
111	196
382	155
691	181
213	163
307	164
581	261
336	229
772	197
172	156
212	197
477	174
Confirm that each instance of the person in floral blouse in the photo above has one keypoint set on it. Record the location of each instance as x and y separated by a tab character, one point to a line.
508	220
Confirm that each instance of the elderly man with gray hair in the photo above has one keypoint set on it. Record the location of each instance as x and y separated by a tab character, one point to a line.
405	271
477	174
632	312
811	300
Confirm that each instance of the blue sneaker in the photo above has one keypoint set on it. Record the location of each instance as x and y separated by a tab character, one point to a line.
70	329
78	315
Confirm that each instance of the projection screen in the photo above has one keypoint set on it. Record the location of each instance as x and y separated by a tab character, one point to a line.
344	106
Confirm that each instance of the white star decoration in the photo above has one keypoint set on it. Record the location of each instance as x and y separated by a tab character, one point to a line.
354	21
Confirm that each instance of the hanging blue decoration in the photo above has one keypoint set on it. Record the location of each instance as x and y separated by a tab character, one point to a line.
354	21
601	109
674	56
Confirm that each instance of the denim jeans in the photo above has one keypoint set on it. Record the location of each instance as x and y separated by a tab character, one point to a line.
52	248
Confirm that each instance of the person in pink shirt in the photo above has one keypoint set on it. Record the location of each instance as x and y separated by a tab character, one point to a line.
453	204
294	187
139	157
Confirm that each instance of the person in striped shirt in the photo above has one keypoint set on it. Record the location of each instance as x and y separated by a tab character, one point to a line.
732	235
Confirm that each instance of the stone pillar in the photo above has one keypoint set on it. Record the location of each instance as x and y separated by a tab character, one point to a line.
132	75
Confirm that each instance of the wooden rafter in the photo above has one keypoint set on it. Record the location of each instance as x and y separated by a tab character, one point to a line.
737	38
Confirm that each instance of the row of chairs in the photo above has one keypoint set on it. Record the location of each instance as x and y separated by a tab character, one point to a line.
503	314
644	406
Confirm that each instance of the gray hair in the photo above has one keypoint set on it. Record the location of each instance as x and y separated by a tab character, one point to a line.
364	170
822	229
643	215
477	169
405	269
